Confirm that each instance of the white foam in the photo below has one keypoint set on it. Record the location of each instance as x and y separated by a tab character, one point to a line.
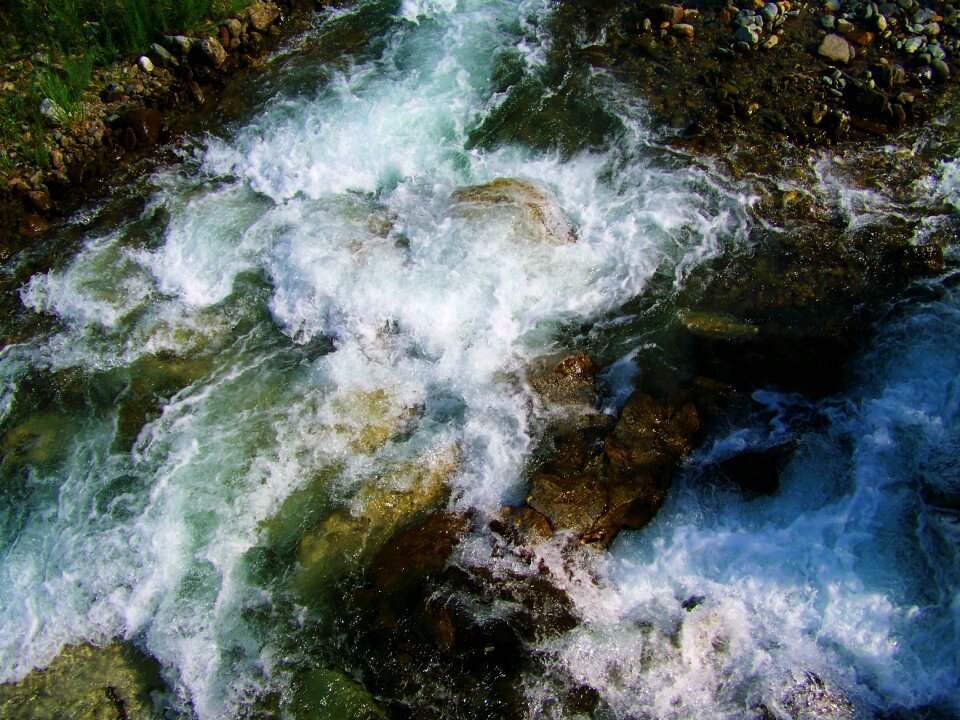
840	574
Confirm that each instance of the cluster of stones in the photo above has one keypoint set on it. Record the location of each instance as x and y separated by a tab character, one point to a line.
757	26
925	36
667	24
127	114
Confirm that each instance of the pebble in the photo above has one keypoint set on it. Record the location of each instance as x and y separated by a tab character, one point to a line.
770	12
881	23
828	22
771	42
145	63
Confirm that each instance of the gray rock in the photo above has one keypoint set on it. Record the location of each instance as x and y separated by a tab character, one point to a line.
936	52
833	5
161	56
912	44
746	35
50	111
770	12
145	63
931	29
179	44
836	49
828	22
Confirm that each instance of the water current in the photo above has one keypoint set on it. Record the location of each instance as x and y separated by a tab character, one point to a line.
301	323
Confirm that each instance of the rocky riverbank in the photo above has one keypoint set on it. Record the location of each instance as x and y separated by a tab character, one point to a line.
128	109
421	627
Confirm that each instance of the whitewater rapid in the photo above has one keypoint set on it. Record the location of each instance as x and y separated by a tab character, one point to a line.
312	257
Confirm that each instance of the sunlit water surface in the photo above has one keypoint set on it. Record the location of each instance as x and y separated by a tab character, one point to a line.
309	268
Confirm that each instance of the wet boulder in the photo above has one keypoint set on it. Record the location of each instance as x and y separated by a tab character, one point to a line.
535	214
597	481
572	381
348	538
813	698
115	682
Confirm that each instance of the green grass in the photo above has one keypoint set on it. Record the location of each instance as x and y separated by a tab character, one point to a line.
78	35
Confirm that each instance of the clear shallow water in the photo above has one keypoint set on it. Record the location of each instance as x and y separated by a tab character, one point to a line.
282	331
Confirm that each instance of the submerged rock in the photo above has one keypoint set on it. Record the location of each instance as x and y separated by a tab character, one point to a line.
115	682
537	217
326	694
347	539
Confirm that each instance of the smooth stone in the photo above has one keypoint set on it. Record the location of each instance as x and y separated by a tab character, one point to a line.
835	48
145	63
746	35
161	56
828	22
941	71
771	42
770	11
880	23
912	44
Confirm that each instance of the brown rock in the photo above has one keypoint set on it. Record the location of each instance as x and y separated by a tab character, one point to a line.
145	123
211	51
571	382
40	201
671	14
418	552
262	15
573	503
522	525
196	92
683	30
650	437
34	226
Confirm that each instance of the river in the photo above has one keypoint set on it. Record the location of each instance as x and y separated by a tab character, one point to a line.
299	323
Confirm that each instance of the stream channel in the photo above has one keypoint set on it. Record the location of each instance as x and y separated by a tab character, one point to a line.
245	372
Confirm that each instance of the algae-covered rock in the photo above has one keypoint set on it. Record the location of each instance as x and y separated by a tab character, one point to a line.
403	494
38	439
369	419
330	695
717	325
86	683
536	216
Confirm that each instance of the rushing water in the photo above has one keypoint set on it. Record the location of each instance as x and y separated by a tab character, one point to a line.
302	312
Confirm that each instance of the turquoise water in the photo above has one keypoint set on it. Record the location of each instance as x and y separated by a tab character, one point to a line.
303	340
